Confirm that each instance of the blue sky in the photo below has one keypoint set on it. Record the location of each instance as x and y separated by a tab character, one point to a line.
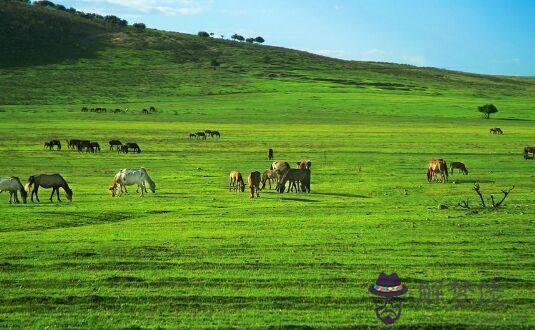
484	36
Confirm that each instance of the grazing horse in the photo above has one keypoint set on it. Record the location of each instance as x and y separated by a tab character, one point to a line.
71	144
192	135
95	146
280	167
13	185
270	154
128	177
295	175
215	133
254	183
84	109
527	150
304	164
235	181
460	166
208	132
50	145
114	144
134	146
496	130
269	175
54	181
145	111
201	135
437	167
84	144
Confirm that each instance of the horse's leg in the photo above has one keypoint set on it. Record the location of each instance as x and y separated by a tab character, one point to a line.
36	190
15	193
10	196
57	193
52	194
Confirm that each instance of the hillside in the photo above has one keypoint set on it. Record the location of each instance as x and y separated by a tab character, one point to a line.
64	58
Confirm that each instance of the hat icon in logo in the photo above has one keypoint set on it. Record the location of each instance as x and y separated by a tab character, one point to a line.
388	286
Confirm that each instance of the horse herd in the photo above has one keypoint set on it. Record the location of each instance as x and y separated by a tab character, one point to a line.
92	146
144	111
205	134
279	173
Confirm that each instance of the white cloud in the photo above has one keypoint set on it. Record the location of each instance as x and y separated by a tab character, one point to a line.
168	7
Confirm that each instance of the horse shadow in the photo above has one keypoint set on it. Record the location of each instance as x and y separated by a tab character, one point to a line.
460	181
306	200
342	195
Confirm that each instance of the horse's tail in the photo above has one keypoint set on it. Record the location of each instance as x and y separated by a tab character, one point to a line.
30	183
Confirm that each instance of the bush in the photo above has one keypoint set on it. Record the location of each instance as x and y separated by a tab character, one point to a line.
203	34
139	26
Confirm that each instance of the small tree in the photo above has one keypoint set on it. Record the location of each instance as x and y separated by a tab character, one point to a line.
249	40
487	110
139	26
203	34
260	40
237	37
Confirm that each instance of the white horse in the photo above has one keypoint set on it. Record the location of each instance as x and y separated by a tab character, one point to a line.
128	177
13	184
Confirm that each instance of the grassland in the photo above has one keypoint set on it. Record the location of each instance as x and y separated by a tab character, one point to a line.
196	255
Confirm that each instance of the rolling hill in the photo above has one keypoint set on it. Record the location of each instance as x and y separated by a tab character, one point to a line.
64	58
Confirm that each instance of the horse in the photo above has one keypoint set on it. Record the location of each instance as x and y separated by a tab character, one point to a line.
83	144
215	133
527	150
201	135
54	181
269	175
145	111
192	135
122	148
437	167
304	164
496	130
280	167
208	132
235	182
126	177
134	146
114	144
71	144
13	185
270	154
95	146
53	143
84	109
460	166
295	175
254	183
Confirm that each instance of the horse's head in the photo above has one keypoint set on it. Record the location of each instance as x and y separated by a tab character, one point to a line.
68	192
24	195
112	190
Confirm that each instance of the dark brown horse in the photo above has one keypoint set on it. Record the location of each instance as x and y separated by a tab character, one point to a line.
437	167
270	154
496	130
114	144
71	144
294	176
54	181
268	176
460	166
192	135
528	150
84	144
200	135
95	147
134	146
215	134
50	144
254	183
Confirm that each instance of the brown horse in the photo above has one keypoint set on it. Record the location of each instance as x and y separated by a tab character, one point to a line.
192	135
134	146
268	176
235	181
84	144
214	134
496	130
270	154
437	167
460	166
114	144
254	183
304	164
293	176
54	181
200	135
527	150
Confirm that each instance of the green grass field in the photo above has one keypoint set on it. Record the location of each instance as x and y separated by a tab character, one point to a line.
196	255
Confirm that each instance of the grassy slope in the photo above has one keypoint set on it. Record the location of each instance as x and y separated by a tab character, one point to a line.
194	254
